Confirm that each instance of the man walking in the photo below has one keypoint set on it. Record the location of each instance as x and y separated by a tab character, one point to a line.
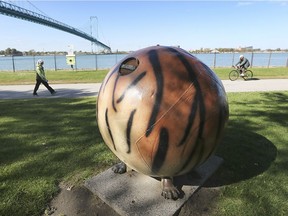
41	78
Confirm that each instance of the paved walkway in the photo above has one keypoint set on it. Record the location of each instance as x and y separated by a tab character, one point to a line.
91	89
63	91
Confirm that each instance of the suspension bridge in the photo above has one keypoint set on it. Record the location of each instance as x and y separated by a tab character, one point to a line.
15	11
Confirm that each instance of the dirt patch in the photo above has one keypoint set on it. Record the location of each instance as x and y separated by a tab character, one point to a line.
79	201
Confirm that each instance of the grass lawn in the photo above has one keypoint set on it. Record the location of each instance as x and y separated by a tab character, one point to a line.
255	175
44	142
28	77
47	141
258	73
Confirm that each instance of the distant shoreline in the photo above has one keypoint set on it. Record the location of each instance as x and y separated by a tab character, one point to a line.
113	53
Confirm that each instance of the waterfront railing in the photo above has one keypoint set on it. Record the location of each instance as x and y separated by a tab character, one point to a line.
106	61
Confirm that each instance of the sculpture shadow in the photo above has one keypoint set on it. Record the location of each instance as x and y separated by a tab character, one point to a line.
245	152
244	157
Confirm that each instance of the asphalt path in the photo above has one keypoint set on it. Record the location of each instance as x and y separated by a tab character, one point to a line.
91	89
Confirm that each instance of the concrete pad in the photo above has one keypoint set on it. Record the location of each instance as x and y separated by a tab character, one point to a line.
133	193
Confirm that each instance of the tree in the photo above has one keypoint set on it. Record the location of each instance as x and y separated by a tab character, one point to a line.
12	51
8	51
31	52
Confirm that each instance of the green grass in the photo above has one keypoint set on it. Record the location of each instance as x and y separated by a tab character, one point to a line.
28	77
258	73
47	141
255	175
44	142
93	76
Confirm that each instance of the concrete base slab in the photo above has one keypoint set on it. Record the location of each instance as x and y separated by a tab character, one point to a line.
133	193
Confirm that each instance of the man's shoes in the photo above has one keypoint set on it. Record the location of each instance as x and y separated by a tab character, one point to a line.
242	75
35	94
53	93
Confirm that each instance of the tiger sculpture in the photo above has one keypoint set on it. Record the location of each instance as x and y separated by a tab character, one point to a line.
162	112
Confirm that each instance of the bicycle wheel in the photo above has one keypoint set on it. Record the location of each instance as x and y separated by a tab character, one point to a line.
248	74
233	75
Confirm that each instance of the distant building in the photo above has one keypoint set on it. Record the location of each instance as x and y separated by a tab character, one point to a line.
215	51
245	49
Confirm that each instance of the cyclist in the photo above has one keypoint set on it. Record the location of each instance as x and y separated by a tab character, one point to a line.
243	63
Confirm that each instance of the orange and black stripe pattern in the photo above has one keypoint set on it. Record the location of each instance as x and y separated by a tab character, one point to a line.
162	111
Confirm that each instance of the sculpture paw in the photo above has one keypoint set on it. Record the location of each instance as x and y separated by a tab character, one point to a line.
169	191
119	168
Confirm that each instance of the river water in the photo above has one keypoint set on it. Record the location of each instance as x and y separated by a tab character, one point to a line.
106	61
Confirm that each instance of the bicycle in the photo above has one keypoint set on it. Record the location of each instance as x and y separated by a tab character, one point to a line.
234	74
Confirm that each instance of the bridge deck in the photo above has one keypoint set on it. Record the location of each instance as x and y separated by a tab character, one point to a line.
22	13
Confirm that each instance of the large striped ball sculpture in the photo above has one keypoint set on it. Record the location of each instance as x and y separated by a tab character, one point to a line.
162	111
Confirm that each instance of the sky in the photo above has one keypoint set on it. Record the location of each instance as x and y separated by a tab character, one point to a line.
132	25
